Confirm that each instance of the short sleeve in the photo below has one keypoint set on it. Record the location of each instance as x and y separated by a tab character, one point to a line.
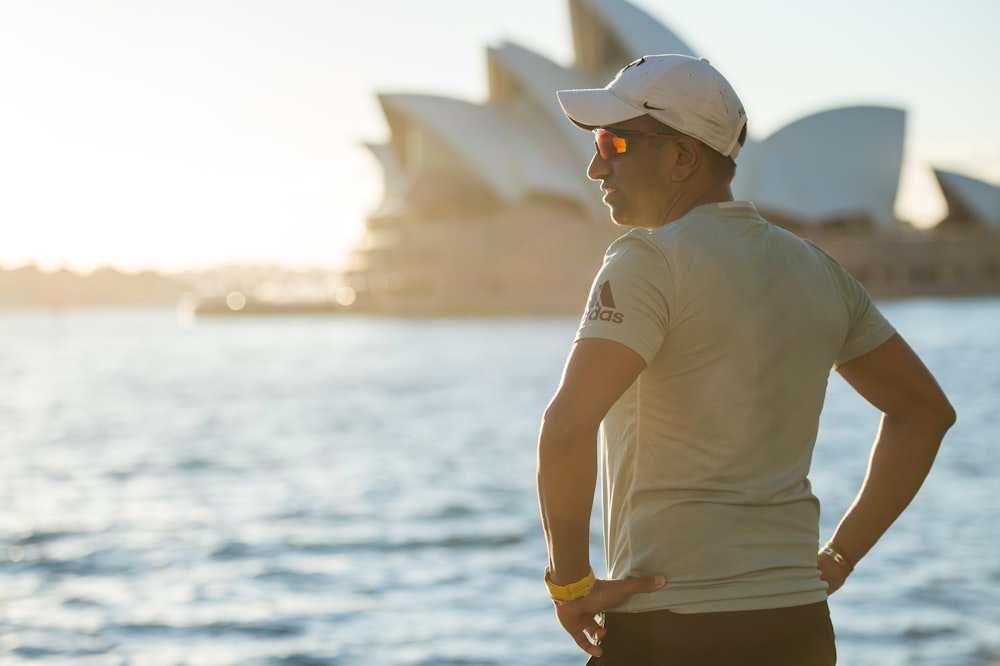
867	327
629	301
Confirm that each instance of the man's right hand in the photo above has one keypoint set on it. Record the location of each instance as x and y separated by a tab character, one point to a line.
580	617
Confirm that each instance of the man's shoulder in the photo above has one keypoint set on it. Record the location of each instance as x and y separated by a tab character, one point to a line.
635	241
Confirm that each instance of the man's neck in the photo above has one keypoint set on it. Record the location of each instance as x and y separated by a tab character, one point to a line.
688	201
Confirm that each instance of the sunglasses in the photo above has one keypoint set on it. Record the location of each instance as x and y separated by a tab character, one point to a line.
615	142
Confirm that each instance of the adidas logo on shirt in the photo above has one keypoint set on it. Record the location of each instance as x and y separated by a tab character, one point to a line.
602	305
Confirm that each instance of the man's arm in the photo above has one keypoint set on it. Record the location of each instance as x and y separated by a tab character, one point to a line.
597	373
915	416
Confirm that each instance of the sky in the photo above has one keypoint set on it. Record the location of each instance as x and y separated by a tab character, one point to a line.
184	134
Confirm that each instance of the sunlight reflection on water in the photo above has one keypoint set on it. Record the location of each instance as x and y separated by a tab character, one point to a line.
358	491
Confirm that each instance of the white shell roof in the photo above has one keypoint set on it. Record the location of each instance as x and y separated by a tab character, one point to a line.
608	34
487	141
447	121
976	197
841	163
516	71
637	30
832	165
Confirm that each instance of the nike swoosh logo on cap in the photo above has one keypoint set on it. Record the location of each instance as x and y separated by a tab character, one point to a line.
646	105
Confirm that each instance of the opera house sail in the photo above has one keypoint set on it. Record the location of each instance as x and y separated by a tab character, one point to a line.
487	207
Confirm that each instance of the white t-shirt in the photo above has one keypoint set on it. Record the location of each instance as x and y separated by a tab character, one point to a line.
706	456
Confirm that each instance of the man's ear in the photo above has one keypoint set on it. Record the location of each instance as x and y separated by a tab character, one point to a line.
686	158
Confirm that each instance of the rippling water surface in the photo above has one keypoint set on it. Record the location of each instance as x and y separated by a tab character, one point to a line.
347	491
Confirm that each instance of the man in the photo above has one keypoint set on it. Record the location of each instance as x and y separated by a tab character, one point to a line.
702	364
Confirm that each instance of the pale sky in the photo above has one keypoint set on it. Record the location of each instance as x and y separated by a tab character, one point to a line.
175	134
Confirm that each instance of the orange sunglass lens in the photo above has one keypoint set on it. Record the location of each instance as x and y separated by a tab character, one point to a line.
609	144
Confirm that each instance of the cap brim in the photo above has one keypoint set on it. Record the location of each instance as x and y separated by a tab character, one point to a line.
595	107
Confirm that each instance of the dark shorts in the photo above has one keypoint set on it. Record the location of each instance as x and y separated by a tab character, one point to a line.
797	636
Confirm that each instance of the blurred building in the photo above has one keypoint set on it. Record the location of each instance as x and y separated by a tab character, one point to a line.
487	207
972	203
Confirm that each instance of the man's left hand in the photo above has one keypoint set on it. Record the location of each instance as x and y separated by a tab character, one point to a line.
833	574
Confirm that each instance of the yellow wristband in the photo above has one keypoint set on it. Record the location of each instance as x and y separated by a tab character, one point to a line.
834	552
580	588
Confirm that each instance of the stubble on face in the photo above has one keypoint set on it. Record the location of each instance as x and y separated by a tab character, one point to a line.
632	183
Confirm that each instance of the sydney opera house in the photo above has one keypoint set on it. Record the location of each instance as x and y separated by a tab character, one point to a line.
487	208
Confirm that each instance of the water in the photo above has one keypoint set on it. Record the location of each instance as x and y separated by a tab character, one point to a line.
347	491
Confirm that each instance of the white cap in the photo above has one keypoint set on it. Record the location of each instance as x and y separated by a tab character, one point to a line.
686	93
